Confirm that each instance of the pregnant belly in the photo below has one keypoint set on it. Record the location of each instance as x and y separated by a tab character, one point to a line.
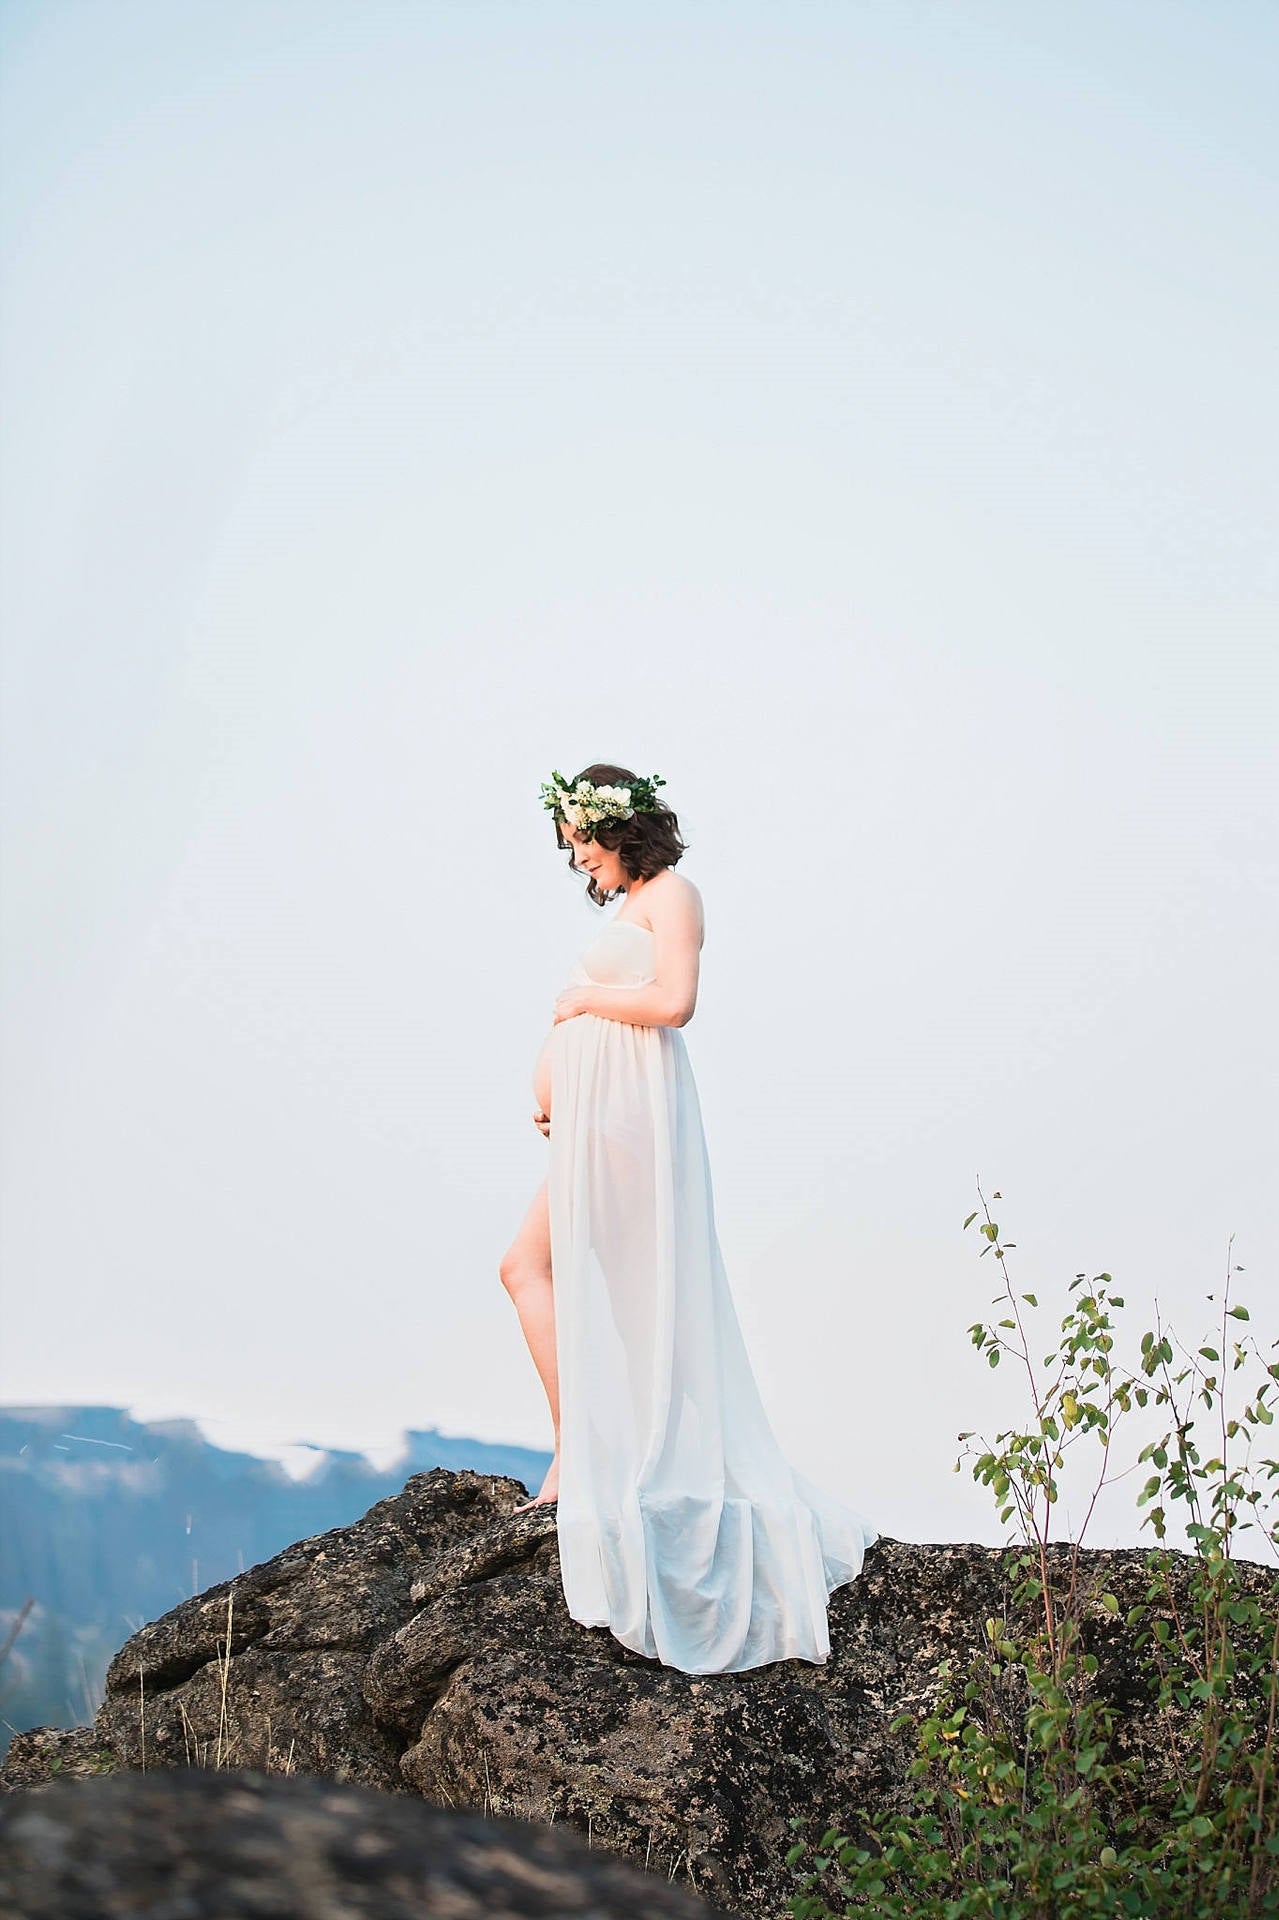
542	1075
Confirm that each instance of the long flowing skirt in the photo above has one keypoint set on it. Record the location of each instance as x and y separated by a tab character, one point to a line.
681	1527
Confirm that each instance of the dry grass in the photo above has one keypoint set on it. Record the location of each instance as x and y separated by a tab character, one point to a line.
231	1747
527	1807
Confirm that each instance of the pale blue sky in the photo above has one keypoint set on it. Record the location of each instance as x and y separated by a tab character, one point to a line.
862	415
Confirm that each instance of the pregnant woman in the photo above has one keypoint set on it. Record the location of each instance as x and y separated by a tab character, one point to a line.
681	1527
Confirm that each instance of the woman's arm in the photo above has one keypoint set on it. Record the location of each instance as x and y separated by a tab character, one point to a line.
669	1000
646	1006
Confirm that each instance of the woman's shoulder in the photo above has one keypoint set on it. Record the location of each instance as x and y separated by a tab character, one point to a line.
675	894
673	886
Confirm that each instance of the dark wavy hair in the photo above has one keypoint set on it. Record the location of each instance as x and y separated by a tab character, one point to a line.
646	842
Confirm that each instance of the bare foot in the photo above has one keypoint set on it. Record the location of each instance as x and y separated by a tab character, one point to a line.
548	1492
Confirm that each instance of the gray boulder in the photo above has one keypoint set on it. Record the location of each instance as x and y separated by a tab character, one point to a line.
194	1845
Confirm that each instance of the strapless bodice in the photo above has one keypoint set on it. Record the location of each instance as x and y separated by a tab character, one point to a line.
620	955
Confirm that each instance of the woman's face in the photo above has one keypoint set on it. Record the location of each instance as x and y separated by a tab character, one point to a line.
590	857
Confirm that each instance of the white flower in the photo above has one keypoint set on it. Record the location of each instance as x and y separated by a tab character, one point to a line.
583	805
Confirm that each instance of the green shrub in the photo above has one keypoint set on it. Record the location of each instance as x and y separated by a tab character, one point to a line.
1026	1799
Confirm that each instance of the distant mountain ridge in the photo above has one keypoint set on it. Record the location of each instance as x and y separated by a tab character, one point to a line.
107	1522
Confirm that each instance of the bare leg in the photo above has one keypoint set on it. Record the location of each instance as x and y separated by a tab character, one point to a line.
526	1274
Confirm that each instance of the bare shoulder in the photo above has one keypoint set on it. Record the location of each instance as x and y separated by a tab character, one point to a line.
673	898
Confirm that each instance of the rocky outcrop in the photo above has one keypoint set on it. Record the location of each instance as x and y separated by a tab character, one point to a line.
105	1518
236	1846
427	1650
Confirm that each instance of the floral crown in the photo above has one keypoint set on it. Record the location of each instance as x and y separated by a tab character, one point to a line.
584	806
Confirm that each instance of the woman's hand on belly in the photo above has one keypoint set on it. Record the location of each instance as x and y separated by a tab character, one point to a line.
570	1003
542	1087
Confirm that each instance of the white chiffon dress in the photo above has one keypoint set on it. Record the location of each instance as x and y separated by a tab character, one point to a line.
681	1527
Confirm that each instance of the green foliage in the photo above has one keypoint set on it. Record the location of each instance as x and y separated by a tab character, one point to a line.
1024	1800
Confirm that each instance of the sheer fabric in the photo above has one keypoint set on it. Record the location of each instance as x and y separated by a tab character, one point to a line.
681	1527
